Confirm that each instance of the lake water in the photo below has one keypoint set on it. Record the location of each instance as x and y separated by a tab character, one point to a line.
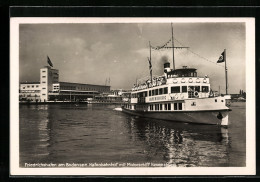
96	133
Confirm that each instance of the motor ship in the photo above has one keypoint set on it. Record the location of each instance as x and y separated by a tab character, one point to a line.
178	95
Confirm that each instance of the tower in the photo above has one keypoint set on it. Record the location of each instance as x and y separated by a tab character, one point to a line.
48	76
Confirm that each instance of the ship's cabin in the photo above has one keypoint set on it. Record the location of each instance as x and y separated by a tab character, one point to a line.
182	72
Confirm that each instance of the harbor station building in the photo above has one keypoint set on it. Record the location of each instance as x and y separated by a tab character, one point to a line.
50	89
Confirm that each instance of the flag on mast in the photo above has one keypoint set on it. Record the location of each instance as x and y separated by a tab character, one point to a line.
150	66
49	61
221	59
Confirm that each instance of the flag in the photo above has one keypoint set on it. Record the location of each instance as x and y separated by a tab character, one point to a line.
49	61
221	59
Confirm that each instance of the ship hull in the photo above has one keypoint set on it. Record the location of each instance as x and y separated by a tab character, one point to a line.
213	117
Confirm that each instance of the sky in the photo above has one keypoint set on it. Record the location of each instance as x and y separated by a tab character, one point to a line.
94	52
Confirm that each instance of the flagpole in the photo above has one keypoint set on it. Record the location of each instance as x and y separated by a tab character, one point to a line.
173	64
150	62
226	71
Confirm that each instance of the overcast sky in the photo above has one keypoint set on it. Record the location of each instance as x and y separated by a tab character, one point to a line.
92	53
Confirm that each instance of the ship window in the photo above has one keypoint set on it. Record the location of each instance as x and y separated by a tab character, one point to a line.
175	106
180	106
197	88
165	90
160	106
28	86
175	89
205	88
216	100
191	88
169	106
165	106
160	91
184	88
150	92
156	92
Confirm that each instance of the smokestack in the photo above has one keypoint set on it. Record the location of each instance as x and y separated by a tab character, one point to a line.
166	68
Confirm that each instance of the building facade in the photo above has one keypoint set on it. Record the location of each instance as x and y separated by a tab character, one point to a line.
30	91
50	89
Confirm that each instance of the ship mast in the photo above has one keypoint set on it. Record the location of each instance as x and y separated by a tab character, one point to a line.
173	47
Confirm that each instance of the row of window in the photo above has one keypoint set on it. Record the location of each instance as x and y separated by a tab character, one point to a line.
174	89
160	107
165	107
191	74
31	86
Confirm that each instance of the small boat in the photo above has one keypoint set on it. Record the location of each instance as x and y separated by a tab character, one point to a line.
177	95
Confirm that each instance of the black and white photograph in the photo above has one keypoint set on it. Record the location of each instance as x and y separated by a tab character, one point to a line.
132	96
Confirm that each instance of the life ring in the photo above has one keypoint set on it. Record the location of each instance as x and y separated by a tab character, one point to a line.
204	80
190	80
182	80
196	94
219	116
198	80
175	80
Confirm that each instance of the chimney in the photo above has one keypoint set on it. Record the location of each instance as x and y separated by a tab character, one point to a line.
166	68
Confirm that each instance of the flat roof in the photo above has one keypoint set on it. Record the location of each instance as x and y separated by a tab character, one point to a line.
84	84
29	82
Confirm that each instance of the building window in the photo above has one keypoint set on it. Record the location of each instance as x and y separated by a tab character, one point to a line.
43	76
184	88
43	71
175	89
43	88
